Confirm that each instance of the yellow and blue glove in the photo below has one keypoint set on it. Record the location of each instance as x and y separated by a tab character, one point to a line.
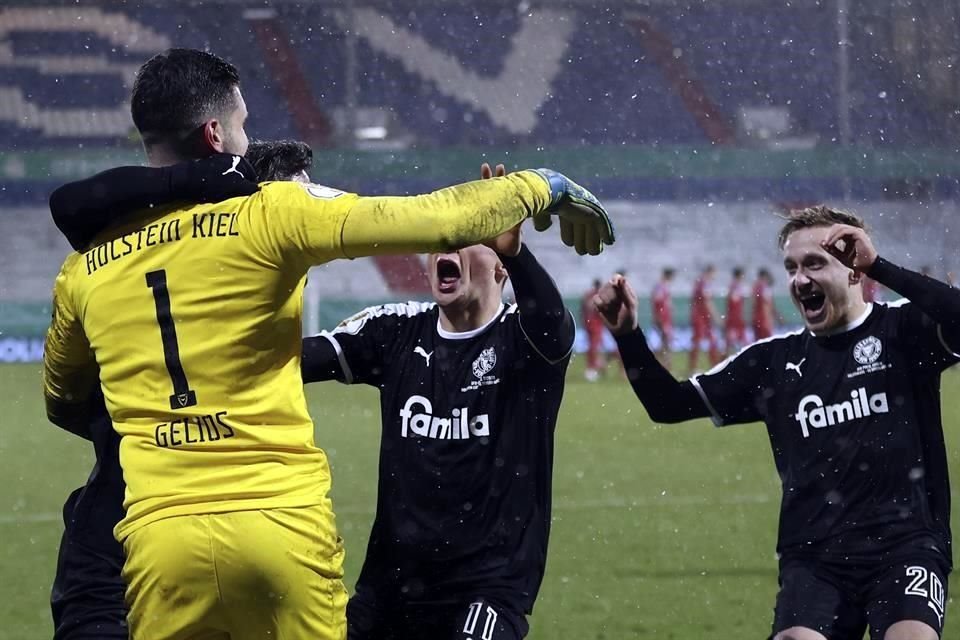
584	223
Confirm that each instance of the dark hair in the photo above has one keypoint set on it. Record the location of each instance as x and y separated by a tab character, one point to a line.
668	272
176	91
279	160
737	272
763	272
819	216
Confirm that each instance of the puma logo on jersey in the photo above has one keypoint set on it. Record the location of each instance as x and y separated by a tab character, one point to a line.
233	169
796	367
422	422
811	411
426	356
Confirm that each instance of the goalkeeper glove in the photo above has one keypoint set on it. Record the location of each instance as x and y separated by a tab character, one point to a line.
584	223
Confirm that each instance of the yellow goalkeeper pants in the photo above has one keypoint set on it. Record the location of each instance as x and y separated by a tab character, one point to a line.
272	574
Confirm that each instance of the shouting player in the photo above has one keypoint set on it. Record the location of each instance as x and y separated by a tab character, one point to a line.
469	395
852	408
190	315
87	595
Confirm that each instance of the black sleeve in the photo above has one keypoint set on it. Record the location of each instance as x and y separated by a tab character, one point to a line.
735	391
666	399
78	417
544	319
320	360
938	323
83	209
70	417
362	343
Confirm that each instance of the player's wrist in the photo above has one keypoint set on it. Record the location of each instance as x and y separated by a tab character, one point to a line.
625	329
556	183
878	268
626	333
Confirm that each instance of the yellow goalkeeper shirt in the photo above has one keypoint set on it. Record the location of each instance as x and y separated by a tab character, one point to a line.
192	314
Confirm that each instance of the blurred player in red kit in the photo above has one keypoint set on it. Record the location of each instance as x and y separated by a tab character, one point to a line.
702	317
663	314
735	326
763	311
593	324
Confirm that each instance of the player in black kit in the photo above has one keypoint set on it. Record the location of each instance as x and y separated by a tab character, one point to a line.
469	395
87	596
852	408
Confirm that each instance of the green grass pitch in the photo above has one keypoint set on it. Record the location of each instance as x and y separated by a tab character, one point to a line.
659	531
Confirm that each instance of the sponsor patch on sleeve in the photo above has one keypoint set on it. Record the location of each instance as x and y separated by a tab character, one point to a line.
322	192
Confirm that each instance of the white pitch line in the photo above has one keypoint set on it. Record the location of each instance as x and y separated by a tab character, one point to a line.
662	500
26	518
612	502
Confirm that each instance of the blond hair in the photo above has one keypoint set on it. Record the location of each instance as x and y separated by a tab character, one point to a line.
818	216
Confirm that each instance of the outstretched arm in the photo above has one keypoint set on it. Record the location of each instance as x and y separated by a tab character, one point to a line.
320	360
666	399
938	300
450	218
82	209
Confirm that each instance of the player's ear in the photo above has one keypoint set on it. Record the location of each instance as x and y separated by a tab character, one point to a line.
213	135
855	277
500	274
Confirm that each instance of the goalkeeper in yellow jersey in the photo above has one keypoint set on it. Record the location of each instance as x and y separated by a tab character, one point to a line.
190	316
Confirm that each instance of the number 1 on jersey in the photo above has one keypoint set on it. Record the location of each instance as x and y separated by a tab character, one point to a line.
183	396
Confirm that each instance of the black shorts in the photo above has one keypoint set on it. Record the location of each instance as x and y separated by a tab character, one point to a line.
841	600
87	596
470	618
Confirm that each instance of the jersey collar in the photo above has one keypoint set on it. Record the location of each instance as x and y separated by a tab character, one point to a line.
466	335
850	326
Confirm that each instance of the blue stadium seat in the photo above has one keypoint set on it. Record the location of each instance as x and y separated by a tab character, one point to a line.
605	89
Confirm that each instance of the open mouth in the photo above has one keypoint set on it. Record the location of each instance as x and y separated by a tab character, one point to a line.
448	275
813	304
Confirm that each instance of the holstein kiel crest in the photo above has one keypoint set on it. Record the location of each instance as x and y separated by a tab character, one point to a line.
867	350
486	361
867	353
482	367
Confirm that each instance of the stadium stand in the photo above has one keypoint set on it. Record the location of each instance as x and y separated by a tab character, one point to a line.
452	77
641	102
650	236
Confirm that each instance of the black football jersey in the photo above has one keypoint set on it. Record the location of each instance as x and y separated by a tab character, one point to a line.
855	427
466	453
